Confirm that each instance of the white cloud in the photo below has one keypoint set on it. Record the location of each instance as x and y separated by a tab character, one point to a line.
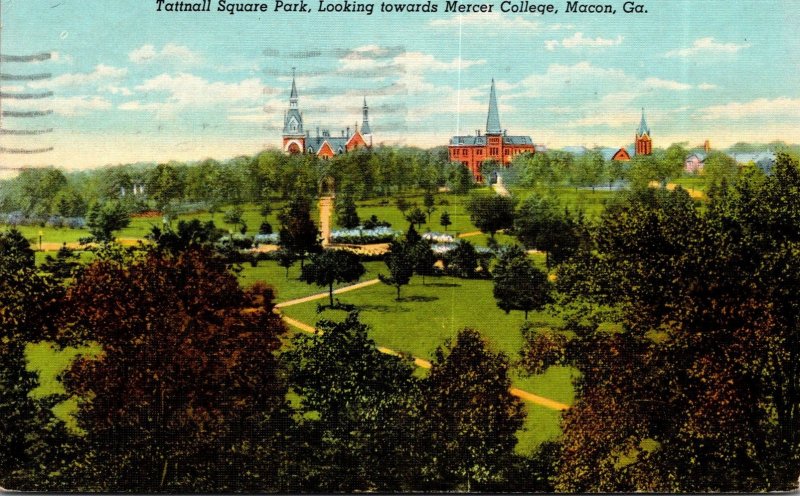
169	53
184	91
666	84
577	40
100	74
77	105
707	86
421	62
761	107
706	46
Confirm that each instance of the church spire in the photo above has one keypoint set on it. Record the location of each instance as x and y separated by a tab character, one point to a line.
643	129
365	129
493	119
293	95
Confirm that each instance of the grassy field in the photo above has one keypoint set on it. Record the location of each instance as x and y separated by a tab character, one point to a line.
289	289
428	314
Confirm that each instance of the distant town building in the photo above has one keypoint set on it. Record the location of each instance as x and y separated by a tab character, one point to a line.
695	162
643	144
496	144
763	160
296	139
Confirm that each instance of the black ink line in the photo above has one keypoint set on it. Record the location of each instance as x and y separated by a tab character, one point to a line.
25	132
26	96
24	77
39	57
31	113
22	151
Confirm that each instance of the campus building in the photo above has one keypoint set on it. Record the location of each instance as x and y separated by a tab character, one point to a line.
296	139
643	144
496	144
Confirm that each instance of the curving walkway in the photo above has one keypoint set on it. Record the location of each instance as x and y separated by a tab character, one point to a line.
425	364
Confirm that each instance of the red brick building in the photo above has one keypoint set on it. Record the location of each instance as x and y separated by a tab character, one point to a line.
496	144
644	145
323	144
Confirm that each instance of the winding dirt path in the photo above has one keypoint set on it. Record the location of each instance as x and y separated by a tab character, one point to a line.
320	296
425	364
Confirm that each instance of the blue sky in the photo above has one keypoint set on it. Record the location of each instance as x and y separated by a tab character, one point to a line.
132	84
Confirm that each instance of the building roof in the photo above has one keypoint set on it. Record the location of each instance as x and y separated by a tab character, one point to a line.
493	119
481	140
293	95
643	129
335	142
701	156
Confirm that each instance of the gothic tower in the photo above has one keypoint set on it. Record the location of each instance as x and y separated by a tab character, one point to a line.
644	145
365	129
294	137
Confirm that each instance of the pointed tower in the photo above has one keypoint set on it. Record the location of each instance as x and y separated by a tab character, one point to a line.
293	134
644	145
365	129
493	119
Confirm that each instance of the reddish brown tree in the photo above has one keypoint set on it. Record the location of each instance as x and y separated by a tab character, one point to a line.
186	393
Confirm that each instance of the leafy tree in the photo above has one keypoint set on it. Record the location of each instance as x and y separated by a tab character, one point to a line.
298	234
165	185
400	262
445	221
460	178
491	213
471	418
186	396
103	220
331	267
285	259
430	203
69	203
540	224
15	251
695	393
34	446
347	213
402	204
234	216
416	216
719	167
38	189
463	260
424	259
63	264
518	285
189	234
360	410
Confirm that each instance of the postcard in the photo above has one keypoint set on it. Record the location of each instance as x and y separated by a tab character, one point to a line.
399	245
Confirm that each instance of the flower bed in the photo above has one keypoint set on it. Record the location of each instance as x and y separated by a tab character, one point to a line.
437	237
364	236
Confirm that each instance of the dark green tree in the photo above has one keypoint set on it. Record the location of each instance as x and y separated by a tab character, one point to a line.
518	285
331	267
445	221
360	411
347	212
462	261
471	418
400	262
491	213
186	396
416	216
429	202
299	234
103	219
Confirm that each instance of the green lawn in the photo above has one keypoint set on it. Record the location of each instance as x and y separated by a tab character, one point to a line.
48	362
429	314
270	272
